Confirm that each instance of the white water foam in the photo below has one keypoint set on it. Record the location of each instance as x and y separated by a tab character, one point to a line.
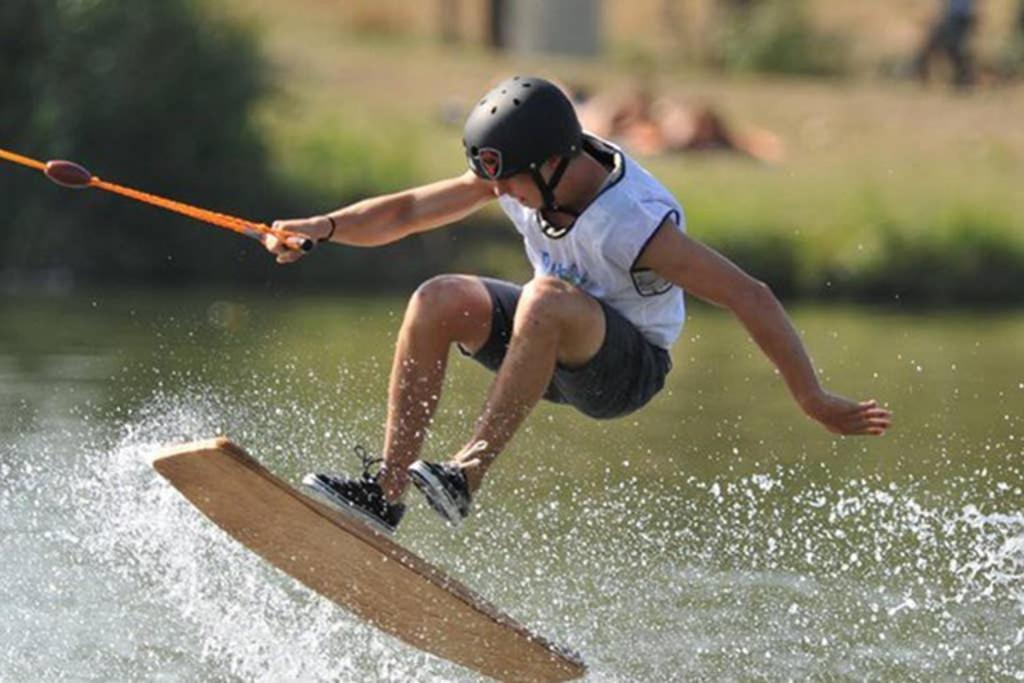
167	594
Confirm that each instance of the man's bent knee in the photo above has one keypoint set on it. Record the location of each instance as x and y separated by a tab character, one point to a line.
458	305
575	317
552	300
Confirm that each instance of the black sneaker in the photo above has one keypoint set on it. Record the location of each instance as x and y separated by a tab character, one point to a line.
445	488
361	498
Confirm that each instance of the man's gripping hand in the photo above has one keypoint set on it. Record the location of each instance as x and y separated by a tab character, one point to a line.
843	416
317	227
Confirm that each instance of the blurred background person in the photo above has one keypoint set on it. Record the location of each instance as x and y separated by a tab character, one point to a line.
949	37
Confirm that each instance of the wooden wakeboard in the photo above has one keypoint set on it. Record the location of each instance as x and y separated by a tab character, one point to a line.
358	567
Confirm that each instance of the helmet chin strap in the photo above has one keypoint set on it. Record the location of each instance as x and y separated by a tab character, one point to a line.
547	189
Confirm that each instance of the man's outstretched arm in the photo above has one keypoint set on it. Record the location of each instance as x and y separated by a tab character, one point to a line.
705	273
389	218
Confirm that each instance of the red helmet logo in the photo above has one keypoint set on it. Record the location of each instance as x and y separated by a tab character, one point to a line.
490	162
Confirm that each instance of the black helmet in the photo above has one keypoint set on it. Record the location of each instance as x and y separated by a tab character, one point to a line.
519	125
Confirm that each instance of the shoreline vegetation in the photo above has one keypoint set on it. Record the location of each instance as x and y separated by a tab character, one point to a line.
890	192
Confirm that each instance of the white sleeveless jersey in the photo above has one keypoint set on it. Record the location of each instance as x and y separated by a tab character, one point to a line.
599	251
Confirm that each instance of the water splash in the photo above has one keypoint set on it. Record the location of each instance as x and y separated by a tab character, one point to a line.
107	572
166	593
771	575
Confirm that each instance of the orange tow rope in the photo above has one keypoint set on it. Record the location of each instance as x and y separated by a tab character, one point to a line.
257	231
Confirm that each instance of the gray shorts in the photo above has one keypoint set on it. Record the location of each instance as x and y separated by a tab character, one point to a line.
625	374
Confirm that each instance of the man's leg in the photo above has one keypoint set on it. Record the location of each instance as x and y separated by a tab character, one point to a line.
445	309
932	44
554	323
959	51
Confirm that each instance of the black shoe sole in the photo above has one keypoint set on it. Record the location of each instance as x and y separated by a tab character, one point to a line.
433	490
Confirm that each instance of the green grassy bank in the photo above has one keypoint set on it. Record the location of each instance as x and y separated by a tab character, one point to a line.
888	191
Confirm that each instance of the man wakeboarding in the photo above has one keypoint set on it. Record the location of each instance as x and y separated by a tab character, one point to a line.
593	327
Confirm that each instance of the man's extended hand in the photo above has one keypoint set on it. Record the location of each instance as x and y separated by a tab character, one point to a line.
843	416
317	227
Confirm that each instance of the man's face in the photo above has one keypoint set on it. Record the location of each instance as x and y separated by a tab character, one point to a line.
522	188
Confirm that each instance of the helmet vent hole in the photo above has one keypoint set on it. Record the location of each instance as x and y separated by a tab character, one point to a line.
526	85
494	110
483	101
515	101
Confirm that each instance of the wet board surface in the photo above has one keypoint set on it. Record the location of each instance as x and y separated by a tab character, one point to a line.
357	567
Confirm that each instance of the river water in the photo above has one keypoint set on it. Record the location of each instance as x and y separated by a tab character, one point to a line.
716	535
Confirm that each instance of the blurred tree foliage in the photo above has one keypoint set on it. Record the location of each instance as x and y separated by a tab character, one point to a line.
1012	61
155	94
159	95
776	36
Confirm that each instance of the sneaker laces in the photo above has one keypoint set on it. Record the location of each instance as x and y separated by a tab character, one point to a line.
478	447
368	461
